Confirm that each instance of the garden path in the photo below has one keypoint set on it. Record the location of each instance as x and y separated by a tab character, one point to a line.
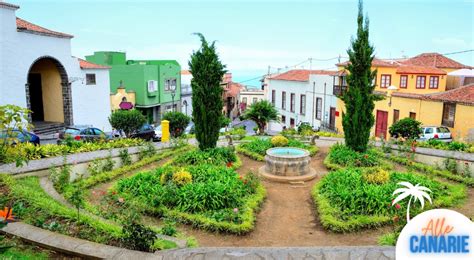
287	218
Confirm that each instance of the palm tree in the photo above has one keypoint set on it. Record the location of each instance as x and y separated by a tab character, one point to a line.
418	192
261	113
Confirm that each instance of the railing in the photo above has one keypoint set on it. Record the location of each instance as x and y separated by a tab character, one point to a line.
338	90
326	127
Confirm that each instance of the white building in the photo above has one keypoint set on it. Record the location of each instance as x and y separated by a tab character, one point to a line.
186	93
303	96
37	71
249	96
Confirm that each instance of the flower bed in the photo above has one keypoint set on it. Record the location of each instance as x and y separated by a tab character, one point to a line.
347	202
452	146
28	151
212	197
217	156
341	156
257	147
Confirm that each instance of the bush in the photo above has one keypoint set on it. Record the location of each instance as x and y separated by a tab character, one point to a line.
215	156
137	236
178	122
288	132
344	156
125	157
261	113
258	147
304	127
279	141
128	121
376	176
457	146
407	128
182	177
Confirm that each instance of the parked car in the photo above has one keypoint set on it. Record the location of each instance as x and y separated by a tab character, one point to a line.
158	133
440	133
147	132
82	133
189	129
22	136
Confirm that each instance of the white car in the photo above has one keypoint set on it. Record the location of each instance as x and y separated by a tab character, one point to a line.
158	133
440	133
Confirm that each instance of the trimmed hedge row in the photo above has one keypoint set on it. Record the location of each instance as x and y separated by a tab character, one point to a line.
469	181
249	153
334	167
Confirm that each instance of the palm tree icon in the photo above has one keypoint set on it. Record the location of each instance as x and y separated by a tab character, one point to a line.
418	192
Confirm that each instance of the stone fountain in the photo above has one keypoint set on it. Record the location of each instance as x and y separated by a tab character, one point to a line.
287	164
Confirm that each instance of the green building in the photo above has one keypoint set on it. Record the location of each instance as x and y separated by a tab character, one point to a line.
157	83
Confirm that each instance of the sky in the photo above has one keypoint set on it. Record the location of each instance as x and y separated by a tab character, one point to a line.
253	35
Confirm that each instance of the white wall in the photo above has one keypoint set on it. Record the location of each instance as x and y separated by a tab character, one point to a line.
19	50
90	105
186	81
303	88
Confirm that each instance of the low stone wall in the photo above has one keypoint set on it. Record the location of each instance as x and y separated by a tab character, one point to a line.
79	162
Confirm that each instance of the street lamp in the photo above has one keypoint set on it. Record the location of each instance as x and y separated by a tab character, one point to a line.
173	93
389	93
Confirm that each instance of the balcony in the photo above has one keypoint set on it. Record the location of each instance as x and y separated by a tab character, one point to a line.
338	90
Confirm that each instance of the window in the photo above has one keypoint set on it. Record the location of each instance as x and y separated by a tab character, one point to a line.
292	122
396	115
429	130
254	100
283	100
449	110
385	80
152	85
302	104
434	81
283	120
244	100
273	97
420	81
319	108
403	81
170	84
90	79
292	102
413	115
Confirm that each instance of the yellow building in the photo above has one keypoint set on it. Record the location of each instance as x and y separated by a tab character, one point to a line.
416	88
122	99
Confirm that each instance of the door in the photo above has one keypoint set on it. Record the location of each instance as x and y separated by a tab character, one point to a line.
36	96
332	118
381	124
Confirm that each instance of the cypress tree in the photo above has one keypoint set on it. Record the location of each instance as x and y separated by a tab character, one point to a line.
207	71
359	99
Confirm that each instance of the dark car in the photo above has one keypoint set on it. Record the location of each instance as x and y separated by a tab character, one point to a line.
22	136
83	133
147	132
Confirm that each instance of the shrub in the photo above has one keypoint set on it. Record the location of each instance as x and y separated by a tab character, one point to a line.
451	165
304	127
376	176
182	177
125	157
138	237
60	176
457	146
261	113
214	156
178	122
147	151
169	229
344	156
288	132
279	141
12	117
128	121
407	128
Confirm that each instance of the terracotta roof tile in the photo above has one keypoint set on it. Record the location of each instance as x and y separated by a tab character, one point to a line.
301	75
89	65
233	89
185	72
463	95
435	60
376	63
25	26
410	69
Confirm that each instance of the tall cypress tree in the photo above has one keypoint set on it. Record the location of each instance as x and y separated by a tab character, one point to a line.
207	71
359	98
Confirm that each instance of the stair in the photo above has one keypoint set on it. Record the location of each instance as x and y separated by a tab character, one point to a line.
47	128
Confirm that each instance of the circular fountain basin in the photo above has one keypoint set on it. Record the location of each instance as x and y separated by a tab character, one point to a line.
287	164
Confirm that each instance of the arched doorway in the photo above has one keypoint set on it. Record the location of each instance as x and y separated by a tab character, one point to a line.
48	92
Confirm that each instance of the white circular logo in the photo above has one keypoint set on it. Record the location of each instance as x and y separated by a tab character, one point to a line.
437	234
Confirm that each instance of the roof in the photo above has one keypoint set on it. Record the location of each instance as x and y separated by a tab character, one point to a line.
463	95
301	75
89	65
462	73
376	63
9	6
25	26
410	69
233	89
185	72
435	60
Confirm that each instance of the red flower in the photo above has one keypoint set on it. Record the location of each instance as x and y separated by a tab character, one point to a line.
397	206
229	164
240	177
366	156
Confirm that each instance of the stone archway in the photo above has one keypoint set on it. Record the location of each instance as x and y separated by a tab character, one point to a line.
48	92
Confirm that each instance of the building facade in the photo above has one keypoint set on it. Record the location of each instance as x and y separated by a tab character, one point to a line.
419	91
38	72
249	96
156	83
303	96
186	93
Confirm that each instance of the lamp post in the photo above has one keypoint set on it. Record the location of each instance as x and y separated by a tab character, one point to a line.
389	93
173	93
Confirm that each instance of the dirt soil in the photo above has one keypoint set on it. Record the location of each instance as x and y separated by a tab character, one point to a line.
287	218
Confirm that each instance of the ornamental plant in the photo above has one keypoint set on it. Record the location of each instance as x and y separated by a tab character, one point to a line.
182	177
359	99
376	176
128	121
178	122
279	141
407	128
12	118
261	113
207	71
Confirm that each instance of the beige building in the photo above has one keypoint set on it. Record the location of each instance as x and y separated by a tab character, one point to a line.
122	99
249	96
